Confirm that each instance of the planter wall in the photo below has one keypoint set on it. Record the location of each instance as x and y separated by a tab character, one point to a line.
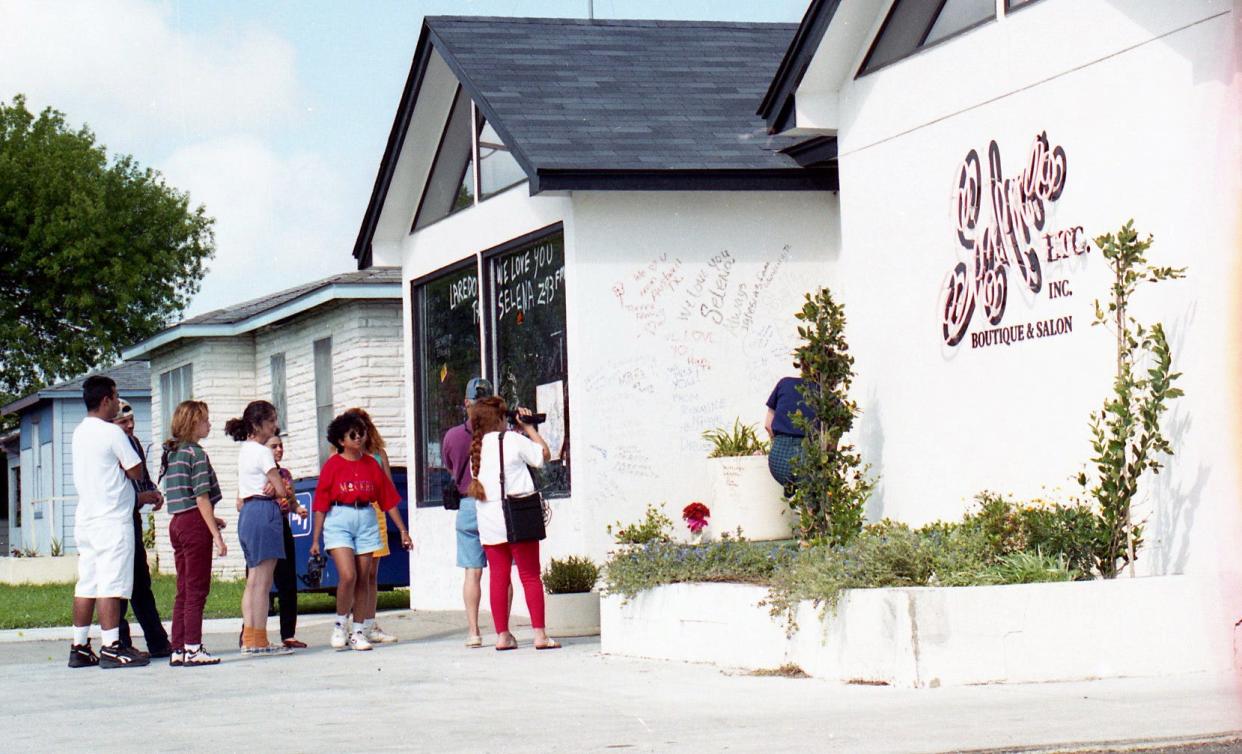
572	614
929	637
42	570
745	495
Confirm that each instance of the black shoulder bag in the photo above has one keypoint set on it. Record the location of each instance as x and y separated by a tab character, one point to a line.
525	515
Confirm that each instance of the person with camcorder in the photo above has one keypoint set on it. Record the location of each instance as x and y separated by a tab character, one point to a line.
511	513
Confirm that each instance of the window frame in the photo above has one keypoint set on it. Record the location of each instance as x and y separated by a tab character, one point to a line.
324	448
488	304
280	399
416	350
922	45
185	384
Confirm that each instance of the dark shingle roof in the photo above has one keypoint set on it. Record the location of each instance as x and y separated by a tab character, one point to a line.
622	95
247	309
128	375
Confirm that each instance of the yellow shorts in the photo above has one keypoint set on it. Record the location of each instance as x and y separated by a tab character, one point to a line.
383	531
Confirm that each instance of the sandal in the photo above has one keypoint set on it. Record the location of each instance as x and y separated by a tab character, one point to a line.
549	644
511	644
474	642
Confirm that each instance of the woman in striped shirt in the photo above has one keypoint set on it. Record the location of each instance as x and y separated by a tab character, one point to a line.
191	491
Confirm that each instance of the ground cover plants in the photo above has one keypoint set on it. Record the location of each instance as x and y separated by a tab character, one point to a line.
998	542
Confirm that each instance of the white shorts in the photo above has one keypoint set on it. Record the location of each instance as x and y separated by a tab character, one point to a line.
105	559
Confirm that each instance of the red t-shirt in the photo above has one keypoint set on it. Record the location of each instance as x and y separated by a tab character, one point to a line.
363	481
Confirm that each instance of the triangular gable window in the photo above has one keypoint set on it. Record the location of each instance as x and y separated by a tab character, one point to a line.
455	183
913	25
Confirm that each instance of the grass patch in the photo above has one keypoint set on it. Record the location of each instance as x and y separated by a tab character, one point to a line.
35	606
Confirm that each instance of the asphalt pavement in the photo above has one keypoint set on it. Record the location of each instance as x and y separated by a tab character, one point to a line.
430	693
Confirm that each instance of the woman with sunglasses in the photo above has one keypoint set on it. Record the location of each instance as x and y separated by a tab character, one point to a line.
349	483
375	447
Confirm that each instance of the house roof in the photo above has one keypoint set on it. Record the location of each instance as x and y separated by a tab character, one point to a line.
133	378
777	105
372	283
614	105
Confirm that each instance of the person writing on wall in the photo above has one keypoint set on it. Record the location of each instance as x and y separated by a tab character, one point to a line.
783	404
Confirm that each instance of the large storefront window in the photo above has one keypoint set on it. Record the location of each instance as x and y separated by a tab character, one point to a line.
447	331
527	343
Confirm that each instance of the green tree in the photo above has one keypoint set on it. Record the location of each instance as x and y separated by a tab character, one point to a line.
94	254
1125	432
831	483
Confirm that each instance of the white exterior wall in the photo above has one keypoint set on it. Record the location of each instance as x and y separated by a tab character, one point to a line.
648	371
367	359
1137	96
367	354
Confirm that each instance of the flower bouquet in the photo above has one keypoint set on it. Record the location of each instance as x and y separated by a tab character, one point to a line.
696	515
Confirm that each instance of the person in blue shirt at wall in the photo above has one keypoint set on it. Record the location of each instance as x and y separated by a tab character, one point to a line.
783	404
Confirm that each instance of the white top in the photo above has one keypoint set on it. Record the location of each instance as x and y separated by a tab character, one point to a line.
520	452
100	452
254	460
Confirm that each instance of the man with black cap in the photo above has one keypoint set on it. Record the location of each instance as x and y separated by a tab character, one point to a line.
142	600
455	455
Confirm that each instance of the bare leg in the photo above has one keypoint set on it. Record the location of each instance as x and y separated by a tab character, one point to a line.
255	599
343	559
83	610
109	612
364	601
373	588
471	594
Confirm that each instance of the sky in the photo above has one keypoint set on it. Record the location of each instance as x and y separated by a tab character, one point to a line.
273	115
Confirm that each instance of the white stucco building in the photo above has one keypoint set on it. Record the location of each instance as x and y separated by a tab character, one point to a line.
612	182
313	351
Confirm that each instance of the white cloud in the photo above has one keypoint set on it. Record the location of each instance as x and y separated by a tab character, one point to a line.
128	70
279	221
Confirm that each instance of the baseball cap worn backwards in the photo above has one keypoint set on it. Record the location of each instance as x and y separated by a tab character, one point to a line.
124	412
477	388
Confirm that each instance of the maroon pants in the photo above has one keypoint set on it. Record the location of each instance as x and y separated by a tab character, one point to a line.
192	549
500	560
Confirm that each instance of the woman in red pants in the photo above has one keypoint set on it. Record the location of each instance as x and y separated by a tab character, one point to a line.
487	420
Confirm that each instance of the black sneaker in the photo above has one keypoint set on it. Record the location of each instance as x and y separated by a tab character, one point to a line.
160	653
116	656
82	656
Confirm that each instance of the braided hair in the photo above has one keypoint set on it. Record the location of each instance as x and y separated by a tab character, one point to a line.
486	415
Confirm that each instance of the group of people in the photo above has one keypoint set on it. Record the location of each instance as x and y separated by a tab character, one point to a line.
354	494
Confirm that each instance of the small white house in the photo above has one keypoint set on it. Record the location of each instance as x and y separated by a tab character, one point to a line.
313	351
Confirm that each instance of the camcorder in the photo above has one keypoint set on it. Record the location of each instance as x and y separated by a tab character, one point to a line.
314	571
533	419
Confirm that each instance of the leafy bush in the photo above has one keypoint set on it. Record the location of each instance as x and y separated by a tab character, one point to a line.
743	440
655	527
1030	568
572	575
631	571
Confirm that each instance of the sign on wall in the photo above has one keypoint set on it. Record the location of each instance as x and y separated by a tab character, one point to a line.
1004	234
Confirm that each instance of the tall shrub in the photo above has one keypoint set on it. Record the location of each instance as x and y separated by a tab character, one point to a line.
831	485
1125	433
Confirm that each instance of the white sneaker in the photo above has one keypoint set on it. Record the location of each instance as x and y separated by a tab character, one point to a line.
359	642
338	637
378	635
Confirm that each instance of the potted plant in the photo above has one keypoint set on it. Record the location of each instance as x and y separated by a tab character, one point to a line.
572	605
744	494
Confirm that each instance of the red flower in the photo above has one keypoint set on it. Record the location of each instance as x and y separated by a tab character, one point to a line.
695	515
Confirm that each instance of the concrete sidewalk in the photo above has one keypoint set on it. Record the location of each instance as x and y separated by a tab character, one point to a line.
429	693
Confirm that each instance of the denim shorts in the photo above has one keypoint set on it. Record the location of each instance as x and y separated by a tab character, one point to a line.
469	549
355	528
261	531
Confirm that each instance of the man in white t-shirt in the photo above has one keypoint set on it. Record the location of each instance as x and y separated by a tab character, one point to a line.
103	463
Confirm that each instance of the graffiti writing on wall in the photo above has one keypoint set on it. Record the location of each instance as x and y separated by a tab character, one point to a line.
1000	228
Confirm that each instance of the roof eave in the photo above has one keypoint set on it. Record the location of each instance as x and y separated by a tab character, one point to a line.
777	106
310	300
22	404
778	179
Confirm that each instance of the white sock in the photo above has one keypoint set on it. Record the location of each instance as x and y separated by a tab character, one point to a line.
367	624
81	635
193	647
110	636
342	621
358	628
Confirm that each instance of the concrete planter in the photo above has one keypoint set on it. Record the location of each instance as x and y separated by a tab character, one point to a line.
745	495
42	570
572	614
929	637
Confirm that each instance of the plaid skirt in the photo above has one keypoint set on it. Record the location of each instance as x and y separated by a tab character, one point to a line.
785	448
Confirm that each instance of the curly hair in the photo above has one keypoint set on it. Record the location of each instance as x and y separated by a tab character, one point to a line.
255	414
375	441
486	415
343	425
